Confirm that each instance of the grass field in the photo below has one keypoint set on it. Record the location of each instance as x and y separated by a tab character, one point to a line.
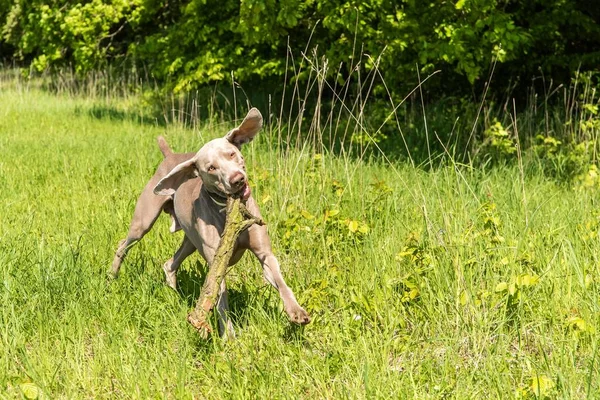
450	283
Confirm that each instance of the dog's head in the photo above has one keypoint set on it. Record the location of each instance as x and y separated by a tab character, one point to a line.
219	163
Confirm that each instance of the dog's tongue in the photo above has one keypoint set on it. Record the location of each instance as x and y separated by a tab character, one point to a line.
246	192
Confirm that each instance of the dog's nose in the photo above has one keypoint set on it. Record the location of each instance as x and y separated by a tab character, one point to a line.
237	179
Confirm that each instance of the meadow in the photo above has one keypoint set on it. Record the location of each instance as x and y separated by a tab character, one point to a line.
445	282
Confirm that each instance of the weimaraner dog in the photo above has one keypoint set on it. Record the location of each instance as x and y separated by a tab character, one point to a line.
192	188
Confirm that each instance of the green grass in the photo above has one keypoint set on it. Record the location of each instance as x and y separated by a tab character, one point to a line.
466	284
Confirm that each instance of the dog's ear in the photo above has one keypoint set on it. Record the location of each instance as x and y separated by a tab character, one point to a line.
181	173
247	129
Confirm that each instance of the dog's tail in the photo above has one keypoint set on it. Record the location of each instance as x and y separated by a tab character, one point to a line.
164	147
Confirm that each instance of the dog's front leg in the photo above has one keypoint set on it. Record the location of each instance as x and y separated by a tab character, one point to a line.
273	275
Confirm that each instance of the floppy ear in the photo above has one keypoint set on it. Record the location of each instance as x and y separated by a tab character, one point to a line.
247	129
181	173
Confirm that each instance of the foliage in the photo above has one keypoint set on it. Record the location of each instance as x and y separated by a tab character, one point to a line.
189	43
498	142
329	226
59	31
571	155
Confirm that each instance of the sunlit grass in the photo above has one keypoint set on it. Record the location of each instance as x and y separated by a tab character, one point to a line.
451	283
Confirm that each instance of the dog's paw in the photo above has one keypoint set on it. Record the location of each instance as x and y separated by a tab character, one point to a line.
111	275
171	281
170	276
298	315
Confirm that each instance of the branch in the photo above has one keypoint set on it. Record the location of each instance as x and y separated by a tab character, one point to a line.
237	220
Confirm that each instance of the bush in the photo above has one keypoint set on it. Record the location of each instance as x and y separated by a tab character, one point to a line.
186	44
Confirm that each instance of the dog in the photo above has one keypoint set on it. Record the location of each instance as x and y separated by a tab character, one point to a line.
193	188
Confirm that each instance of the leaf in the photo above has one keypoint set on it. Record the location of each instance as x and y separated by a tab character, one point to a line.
501	287
589	280
266	199
404	253
541	386
331	213
591	108
527	280
464	298
353	226
413	294
30	390
306	214
576	323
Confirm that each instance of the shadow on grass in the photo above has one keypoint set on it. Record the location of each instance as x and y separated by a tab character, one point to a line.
190	281
108	113
295	334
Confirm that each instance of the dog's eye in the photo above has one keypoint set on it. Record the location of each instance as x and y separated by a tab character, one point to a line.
211	168
232	154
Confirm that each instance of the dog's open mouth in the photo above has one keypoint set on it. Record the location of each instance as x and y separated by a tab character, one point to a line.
244	192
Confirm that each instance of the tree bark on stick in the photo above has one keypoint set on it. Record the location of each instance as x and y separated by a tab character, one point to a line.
237	219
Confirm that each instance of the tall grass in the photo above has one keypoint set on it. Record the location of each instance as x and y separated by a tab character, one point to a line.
348	110
454	281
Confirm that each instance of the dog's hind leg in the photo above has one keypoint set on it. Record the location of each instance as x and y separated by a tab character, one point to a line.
171	266
225	326
147	210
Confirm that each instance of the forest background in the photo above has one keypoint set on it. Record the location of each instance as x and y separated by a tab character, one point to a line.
492	58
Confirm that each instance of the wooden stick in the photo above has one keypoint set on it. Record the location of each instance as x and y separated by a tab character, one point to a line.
237	219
